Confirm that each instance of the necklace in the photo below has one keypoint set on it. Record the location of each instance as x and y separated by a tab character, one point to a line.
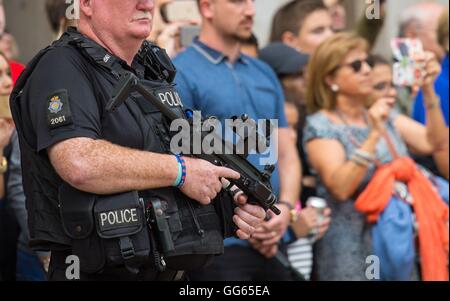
390	145
352	137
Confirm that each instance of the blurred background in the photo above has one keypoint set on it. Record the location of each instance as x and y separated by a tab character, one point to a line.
26	20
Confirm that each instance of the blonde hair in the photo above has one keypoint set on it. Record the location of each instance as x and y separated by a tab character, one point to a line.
324	61
443	30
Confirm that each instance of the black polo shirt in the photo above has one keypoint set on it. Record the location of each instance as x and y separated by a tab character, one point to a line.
65	97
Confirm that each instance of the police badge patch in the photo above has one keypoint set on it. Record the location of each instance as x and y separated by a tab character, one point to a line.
58	110
55	105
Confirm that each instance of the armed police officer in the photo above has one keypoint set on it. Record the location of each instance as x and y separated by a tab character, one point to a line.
103	185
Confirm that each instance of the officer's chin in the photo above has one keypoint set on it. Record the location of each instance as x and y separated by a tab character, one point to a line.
141	30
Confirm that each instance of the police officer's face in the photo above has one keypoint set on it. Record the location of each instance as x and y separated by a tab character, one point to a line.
232	17
126	19
5	77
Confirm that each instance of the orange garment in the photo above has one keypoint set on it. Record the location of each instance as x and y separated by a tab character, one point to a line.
431	212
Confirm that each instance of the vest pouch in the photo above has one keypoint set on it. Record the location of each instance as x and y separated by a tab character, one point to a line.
170	208
76	209
121	224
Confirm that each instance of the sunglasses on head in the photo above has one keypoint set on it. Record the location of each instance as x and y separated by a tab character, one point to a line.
356	65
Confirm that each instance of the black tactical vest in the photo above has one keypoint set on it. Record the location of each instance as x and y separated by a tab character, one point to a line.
183	232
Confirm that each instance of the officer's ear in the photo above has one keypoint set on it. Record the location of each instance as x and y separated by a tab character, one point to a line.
86	7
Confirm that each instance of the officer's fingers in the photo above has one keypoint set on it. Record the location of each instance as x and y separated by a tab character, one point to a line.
254	242
274	223
240	198
260	229
205	200
327	212
254	210
242	235
250	219
212	194
265	226
227	173
210	190
225	183
270	214
217	186
204	196
243	226
264	236
272	241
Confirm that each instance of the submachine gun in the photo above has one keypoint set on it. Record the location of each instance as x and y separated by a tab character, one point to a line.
254	183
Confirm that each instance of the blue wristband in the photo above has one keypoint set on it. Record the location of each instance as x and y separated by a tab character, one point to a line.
178	179
181	178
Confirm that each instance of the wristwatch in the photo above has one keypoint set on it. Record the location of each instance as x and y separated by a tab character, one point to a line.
3	165
293	212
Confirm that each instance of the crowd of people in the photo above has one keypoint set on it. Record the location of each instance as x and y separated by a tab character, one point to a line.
375	152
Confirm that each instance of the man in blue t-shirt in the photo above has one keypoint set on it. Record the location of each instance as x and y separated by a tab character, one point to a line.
441	87
216	79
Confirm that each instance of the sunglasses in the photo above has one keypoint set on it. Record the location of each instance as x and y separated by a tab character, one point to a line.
356	65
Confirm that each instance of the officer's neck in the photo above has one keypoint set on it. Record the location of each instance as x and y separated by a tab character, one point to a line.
227	45
125	50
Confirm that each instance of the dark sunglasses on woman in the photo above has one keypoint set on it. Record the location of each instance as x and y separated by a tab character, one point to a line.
356	65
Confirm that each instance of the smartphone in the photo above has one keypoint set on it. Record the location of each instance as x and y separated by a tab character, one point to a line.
407	71
187	34
180	10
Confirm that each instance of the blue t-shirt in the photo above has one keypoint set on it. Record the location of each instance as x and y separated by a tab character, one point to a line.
208	82
441	86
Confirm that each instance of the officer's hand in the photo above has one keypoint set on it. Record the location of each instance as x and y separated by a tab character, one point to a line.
247	218
266	251
272	231
203	180
238	195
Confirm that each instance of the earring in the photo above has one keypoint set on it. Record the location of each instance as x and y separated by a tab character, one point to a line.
334	88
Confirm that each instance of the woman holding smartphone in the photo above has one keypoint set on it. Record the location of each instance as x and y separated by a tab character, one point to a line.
346	143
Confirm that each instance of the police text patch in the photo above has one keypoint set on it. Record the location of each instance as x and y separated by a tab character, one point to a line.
58	109
118	218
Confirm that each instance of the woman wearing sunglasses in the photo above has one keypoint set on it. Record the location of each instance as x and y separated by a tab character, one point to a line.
349	146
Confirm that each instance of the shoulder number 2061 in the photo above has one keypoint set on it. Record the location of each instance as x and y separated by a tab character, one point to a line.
58	120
